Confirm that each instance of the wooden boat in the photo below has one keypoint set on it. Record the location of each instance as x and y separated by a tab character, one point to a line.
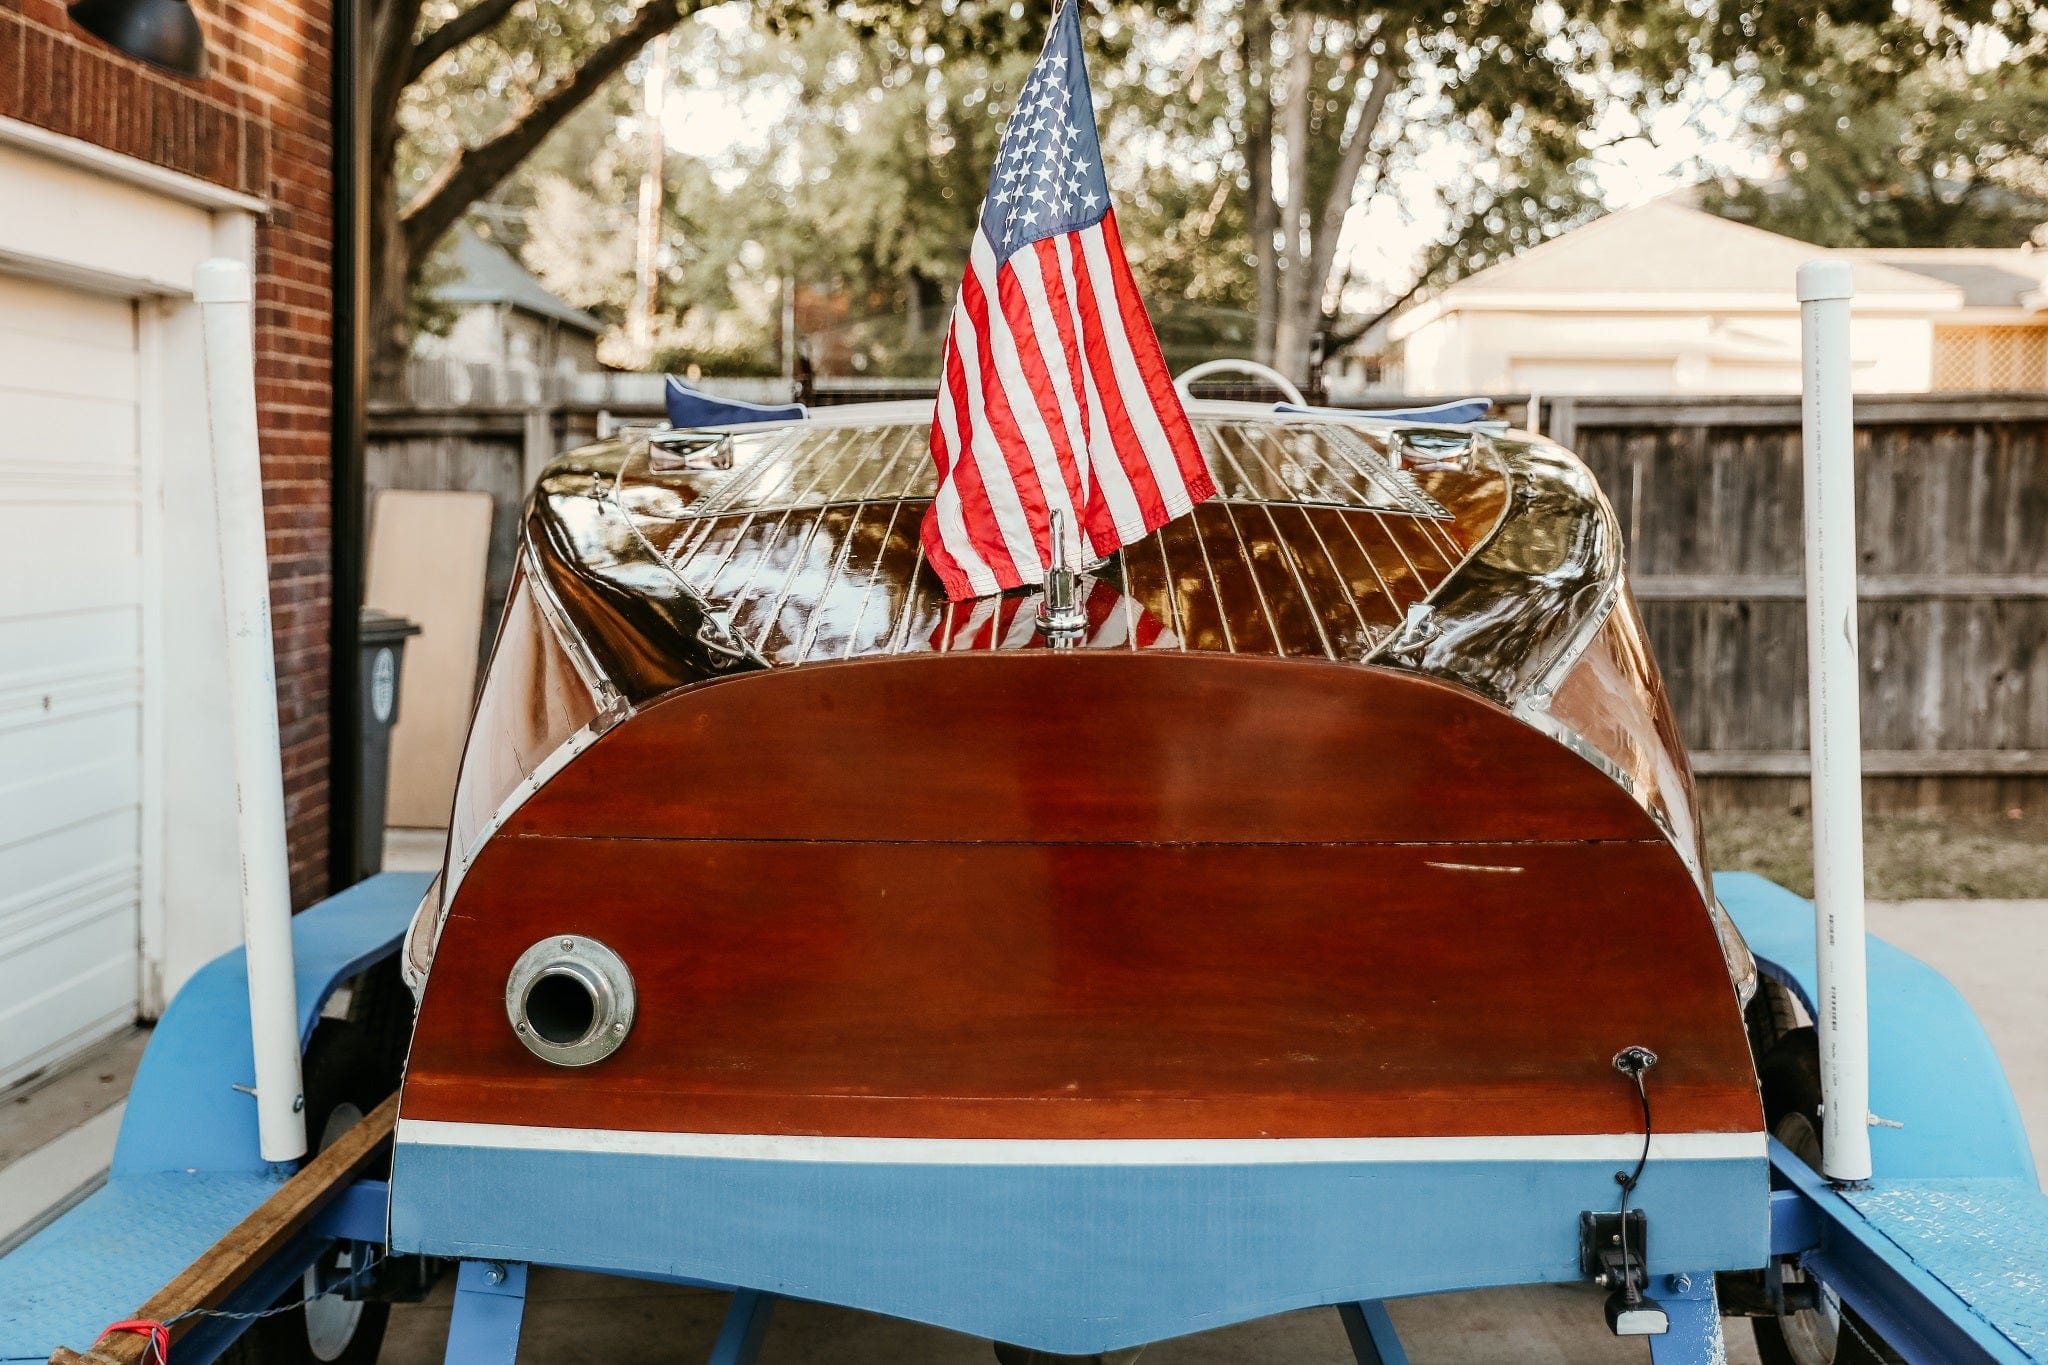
1268	942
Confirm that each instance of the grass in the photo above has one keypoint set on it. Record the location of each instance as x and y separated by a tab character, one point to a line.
1904	857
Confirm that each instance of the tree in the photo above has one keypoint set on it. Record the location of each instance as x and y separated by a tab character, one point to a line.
1332	97
571	217
891	135
543	60
1248	132
871	183
1950	153
1332	100
1321	101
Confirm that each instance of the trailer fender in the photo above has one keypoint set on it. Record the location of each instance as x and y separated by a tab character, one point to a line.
189	1108
1933	1072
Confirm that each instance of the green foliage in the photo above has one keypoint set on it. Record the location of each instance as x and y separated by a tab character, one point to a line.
426	314
862	188
1169	113
883	158
1950	153
742	361
869	186
496	77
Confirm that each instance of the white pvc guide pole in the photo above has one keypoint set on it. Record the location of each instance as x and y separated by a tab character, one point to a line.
227	321
1833	692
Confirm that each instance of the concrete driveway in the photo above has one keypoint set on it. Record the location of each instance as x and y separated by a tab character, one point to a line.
585	1319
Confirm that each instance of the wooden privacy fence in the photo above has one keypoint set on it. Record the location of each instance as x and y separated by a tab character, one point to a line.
1952	538
1953	514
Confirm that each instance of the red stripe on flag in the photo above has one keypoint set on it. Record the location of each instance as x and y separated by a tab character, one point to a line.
1063	314
1098	519
995	493
976	514
1130	452
1029	495
1144	342
1017	314
943	562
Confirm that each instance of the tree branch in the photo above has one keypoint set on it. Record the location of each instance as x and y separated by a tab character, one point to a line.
472	22
1350	162
1294	128
1263	219
392	25
475	171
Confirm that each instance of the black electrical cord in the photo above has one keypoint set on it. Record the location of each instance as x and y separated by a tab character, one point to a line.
1634	1062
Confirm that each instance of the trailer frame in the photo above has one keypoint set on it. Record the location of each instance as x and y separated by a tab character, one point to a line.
191	1132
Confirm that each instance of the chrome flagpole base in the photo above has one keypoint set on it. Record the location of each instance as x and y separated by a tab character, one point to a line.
1060	618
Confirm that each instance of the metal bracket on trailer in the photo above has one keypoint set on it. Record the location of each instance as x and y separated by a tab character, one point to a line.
490	1306
1371	1332
1917	1314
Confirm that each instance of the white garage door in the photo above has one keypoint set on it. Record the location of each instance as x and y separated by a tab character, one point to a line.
71	588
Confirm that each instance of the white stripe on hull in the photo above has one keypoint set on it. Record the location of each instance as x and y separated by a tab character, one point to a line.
1621	1147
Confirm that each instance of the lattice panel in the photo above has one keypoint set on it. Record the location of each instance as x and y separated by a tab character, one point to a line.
2003	358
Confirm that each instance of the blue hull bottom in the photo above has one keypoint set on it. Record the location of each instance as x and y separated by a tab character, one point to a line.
1066	1258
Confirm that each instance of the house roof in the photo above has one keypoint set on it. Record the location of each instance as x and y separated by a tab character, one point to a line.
1666	247
1667	257
1990	277
487	273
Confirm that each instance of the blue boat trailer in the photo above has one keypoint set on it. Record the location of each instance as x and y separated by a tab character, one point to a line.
1944	1252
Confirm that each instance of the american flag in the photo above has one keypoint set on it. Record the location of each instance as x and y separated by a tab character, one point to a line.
1053	395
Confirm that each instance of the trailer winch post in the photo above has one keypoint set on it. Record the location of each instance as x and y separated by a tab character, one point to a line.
1833	689
227	319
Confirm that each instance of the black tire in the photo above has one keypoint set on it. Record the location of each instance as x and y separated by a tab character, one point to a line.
1833	1333
1770	1015
350	1066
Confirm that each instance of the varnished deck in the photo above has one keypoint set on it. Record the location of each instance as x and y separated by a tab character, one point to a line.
804	547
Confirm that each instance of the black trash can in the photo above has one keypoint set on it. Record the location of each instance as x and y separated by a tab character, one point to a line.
382	641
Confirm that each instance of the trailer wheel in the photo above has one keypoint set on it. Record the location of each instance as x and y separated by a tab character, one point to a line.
350	1066
1830	1332
1006	1354
1771	1013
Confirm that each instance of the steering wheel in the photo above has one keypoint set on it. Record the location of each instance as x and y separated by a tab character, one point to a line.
1185	380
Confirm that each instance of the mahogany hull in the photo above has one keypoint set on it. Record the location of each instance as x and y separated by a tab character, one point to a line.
1271	946
1039	895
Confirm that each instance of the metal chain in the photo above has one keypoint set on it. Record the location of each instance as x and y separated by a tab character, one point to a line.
1877	1351
341	1286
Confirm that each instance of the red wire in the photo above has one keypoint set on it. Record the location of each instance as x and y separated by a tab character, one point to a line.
158	1334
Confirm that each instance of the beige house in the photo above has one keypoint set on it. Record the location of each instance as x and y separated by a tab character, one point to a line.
1664	298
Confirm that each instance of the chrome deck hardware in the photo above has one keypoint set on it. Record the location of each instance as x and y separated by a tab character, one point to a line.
1060	618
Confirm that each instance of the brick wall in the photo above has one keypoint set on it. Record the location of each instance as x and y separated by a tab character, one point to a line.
260	123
